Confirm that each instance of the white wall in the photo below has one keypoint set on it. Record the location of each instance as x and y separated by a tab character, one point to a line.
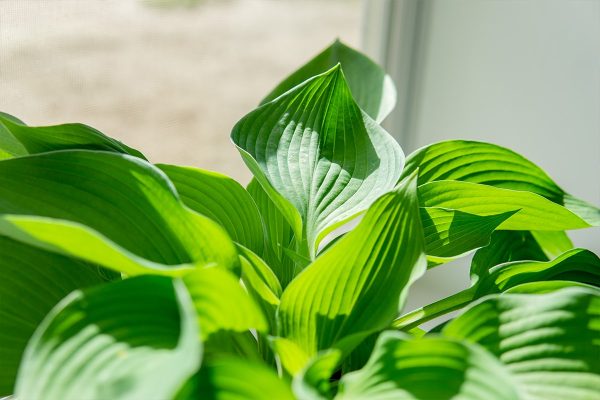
522	74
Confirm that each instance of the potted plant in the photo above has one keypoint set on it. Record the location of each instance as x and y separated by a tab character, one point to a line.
123	279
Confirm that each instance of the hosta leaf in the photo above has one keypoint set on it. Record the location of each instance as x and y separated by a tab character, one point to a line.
428	368
111	209
229	343
33	281
371	88
314	382
318	156
221	303
330	304
552	243
261	283
489	164
452	233
545	287
534	212
577	265
9	145
279	235
222	199
508	246
134	339
548	342
230	378
18	139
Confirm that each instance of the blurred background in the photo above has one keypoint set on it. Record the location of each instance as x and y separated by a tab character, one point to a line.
171	77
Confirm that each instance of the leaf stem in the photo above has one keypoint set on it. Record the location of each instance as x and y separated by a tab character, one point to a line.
434	310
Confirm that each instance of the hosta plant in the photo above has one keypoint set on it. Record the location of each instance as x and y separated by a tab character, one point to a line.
123	279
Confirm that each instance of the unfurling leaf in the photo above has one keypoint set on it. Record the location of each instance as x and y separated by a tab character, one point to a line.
320	158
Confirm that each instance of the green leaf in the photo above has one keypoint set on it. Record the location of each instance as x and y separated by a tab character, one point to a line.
548	342
9	145
222	199
372	89
489	164
552	243
428	368
261	283
534	212
314	382
18	139
330	304
221	303
577	265
134	339
320	158
33	281
229	378
506	246
279	235
451	233
114	210
545	287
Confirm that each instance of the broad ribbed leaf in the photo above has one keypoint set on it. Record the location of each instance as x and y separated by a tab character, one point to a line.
222	199
279	235
372	89
261	283
114	210
330	304
546	287
506	246
489	164
577	265
548	342
33	281
426	369
18	139
134	339
452	233
534	212
235	379
318	156
314	382
221	303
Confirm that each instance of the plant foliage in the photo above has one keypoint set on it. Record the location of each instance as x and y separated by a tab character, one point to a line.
122	279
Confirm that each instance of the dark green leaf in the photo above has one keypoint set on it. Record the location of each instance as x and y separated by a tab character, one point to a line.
451	233
115	210
18	139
